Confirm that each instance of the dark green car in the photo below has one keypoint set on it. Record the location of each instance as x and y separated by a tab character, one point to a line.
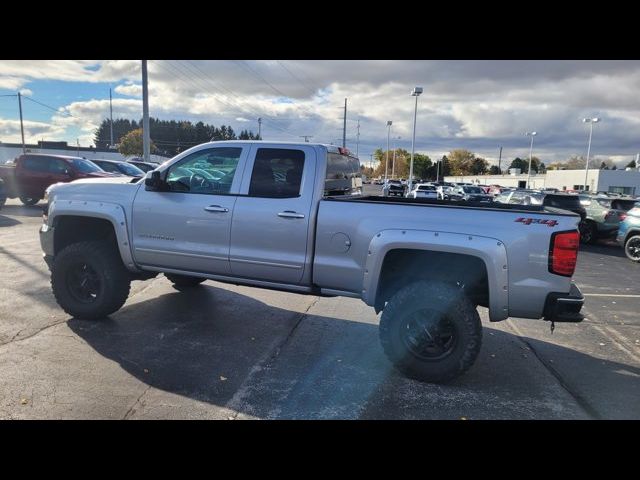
604	215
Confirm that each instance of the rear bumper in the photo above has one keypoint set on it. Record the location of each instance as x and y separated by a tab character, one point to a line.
564	307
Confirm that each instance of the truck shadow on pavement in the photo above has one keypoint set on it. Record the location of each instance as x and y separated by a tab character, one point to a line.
8	221
603	247
23	210
227	349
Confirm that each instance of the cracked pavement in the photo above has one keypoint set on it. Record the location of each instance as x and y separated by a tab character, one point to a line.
230	352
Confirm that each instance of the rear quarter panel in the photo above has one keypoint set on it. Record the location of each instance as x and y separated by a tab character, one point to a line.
525	247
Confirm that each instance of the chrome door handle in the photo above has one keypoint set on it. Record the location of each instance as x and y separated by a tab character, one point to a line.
290	214
216	208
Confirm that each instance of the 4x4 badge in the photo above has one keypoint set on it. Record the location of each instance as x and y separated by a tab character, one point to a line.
529	221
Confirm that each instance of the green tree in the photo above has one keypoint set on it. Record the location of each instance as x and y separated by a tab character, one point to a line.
421	166
131	144
461	161
479	166
603	166
631	164
494	170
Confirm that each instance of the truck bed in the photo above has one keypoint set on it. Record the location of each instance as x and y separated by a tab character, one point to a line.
495	206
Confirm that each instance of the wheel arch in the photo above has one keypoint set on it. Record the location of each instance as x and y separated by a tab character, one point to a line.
398	257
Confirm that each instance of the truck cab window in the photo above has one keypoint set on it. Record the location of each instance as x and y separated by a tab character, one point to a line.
36	164
209	171
277	173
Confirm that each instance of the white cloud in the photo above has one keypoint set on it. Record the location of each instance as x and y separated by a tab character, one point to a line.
11	83
33	131
26	92
130	89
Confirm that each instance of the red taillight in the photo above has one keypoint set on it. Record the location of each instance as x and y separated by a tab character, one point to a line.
563	253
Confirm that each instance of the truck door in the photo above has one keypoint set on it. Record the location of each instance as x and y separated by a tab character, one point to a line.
33	175
188	226
270	225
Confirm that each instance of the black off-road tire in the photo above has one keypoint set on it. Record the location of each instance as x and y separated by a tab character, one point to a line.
113	279
588	232
181	282
446	302
29	201
631	245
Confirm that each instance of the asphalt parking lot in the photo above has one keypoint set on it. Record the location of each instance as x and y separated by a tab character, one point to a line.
229	352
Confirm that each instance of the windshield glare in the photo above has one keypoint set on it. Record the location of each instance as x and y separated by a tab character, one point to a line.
85	166
130	169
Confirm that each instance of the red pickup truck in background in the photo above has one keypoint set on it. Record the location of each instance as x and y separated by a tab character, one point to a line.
31	174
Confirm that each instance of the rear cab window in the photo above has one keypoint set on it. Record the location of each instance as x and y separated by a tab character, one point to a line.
343	175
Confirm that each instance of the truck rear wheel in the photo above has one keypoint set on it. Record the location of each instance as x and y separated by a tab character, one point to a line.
431	331
183	281
89	280
29	201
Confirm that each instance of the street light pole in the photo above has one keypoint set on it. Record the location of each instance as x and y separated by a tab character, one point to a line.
146	137
530	134
393	163
24	148
590	121
416	93
386	163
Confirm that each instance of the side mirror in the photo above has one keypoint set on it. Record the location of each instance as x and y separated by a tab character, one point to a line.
153	181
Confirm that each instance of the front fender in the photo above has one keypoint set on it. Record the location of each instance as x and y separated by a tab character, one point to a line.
111	212
490	250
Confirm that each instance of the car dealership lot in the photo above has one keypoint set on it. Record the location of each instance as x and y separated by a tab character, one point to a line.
231	352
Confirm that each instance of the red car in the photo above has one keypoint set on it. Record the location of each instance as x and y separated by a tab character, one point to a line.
32	173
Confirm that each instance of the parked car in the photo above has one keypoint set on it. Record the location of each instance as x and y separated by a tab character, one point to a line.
3	195
31	174
629	234
144	166
604	215
472	193
448	192
253	230
394	188
565	201
120	168
424	190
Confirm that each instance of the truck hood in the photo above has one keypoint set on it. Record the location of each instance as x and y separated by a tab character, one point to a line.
117	190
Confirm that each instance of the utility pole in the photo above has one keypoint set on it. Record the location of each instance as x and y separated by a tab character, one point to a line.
344	126
78	146
371	162
111	116
146	137
438	170
306	137
358	139
500	161
260	128
24	148
386	163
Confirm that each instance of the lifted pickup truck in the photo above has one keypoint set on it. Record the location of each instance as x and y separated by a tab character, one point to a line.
255	213
32	173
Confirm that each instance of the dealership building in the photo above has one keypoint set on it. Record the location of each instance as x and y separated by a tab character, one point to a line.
618	181
9	151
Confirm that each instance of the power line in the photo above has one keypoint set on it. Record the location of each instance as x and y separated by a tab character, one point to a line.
241	108
49	107
296	77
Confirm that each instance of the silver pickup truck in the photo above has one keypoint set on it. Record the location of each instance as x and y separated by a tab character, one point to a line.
257	213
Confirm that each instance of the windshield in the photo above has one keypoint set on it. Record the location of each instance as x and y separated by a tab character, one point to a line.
472	189
426	187
85	166
129	169
562	201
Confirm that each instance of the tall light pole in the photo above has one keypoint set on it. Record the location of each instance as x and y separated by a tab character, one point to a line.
393	162
146	137
530	134
24	148
386	163
358	140
111	120
415	93
590	121
260	128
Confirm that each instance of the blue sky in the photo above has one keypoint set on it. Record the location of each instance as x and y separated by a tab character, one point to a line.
479	105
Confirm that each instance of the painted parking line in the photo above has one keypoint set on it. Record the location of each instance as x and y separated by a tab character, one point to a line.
610	295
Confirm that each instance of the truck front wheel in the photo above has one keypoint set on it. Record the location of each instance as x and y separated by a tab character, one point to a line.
183	281
431	331
89	280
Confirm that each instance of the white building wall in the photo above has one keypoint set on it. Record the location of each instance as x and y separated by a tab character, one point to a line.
9	153
536	181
